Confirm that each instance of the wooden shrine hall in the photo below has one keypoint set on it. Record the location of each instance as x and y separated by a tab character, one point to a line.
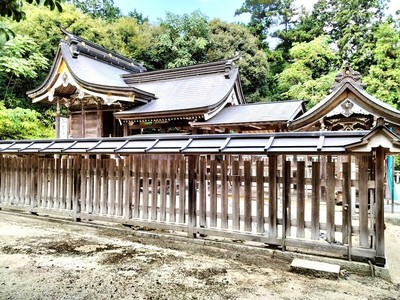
108	95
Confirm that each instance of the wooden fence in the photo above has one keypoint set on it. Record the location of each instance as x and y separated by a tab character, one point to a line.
326	204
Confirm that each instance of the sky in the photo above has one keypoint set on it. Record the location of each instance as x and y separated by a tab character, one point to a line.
222	9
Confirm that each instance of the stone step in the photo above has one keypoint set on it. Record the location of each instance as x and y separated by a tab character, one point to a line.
315	268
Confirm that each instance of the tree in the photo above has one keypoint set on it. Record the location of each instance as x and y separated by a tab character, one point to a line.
226	41
19	123
383	79
180	40
19	57
312	72
104	9
13	8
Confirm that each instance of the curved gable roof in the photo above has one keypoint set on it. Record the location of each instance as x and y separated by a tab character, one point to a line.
354	92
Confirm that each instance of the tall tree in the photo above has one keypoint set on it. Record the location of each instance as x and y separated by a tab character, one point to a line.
226	41
105	9
383	79
312	72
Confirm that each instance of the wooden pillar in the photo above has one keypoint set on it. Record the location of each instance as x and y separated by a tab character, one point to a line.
192	196
379	206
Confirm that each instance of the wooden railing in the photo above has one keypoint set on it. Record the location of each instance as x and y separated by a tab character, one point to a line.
280	200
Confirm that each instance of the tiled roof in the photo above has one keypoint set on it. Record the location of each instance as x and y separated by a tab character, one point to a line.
282	111
284	142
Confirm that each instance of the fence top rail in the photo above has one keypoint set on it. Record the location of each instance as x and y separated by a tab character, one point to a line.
274	143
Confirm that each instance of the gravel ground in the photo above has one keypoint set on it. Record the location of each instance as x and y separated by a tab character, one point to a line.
45	259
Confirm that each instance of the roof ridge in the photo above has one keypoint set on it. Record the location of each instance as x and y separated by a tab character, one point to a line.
79	45
219	66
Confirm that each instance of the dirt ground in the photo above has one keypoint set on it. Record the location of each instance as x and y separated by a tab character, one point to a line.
41	259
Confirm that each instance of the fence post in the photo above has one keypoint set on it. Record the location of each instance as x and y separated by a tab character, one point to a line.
192	196
379	208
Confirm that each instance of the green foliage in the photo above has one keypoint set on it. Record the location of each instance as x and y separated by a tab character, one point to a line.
13	8
226	41
20	57
19	123
383	79
183	40
311	74
104	9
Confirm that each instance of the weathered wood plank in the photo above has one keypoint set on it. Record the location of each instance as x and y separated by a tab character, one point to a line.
315	200
91	182
136	188
127	213
97	186
120	186
224	194
154	187
286	215
300	198
346	207
202	192
112	184
63	185
75	164
104	209
145	166
213	193
51	184
182	190
260	196
272	191
83	185
330	202
363	200
45	199
172	189
235	195
192	195
163	189
247	196
379	202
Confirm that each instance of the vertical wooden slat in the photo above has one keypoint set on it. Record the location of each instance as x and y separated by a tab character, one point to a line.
23	182
154	186
236	195
300	184
163	190
260	195
21	167
33	181
57	175
91	184
51	183
224	194
39	176
74	165
120	195
127	214
136	169
330	202
213	193
247	195
75	175
83	187
145	166
104	183
45	199
98	179
202	192
192	195
315	200
363	199
172	190
64	190
182	190
272	191
111	172
346	173
286	215
380	259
